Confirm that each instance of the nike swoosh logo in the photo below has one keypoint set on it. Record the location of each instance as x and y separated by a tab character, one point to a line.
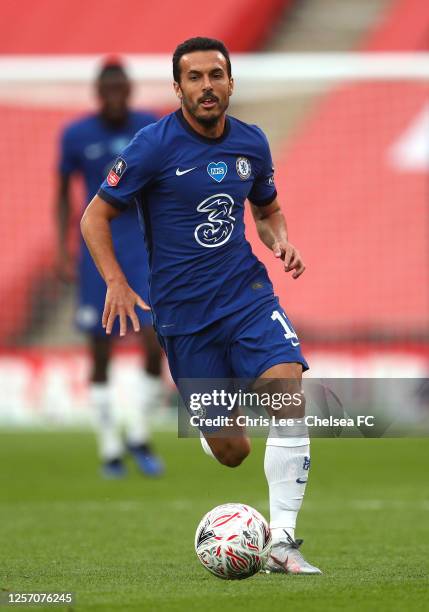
301	481
180	172
294	343
282	564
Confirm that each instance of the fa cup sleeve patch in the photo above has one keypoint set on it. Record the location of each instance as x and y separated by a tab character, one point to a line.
116	172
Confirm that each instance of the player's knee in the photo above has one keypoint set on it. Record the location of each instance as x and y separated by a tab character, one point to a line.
298	409
234	452
99	372
100	352
294	407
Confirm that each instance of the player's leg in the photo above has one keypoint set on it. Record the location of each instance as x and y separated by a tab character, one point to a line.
91	296
144	390
287	456
266	348
145	397
152	348
287	463
197	363
230	446
110	446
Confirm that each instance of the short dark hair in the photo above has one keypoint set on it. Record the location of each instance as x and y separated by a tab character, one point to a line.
111	65
199	43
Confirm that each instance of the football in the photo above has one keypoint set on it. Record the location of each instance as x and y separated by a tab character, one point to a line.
233	541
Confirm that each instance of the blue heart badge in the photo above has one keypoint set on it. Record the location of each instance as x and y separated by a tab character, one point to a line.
217	170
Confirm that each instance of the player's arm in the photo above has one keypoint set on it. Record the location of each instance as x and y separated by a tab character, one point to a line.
65	262
68	165
120	298
272	230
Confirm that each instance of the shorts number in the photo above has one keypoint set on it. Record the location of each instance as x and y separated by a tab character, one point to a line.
290	333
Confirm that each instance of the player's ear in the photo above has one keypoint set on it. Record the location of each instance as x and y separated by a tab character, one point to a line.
177	90
231	85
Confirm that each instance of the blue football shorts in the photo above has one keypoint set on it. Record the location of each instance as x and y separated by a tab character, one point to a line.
242	345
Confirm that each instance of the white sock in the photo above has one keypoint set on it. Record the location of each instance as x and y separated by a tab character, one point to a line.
145	396
287	462
278	534
206	448
105	424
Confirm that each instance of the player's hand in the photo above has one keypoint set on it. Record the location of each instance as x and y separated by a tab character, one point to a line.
120	302
65	267
291	257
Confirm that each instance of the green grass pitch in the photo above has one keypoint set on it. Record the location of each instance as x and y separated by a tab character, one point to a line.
128	545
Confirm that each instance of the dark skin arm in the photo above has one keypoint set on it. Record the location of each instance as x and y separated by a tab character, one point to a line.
120	298
65	263
272	230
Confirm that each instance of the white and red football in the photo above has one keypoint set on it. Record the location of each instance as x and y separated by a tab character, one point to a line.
233	541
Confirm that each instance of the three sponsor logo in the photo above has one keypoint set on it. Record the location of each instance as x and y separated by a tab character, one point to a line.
220	222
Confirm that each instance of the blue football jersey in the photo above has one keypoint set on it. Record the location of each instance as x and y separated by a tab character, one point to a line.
190	192
89	146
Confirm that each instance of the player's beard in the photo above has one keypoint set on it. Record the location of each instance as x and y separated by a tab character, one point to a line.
207	120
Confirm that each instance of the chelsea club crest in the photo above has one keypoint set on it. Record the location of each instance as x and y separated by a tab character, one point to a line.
244	169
